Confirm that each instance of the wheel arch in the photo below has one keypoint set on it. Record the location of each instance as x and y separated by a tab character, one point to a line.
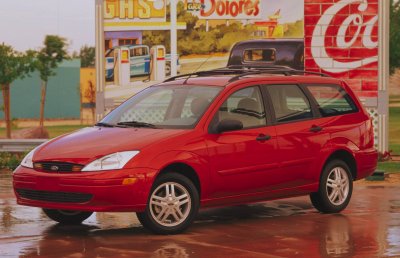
184	170
345	156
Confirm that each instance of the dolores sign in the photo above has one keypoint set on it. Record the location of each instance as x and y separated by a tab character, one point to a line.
226	9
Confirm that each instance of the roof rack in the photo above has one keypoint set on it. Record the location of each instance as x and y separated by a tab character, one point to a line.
241	71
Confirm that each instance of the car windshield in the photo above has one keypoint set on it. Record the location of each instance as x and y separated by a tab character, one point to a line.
175	107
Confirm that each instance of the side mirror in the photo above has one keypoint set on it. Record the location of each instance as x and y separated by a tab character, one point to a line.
227	125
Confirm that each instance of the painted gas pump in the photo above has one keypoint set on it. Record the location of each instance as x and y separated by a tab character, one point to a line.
157	63
122	74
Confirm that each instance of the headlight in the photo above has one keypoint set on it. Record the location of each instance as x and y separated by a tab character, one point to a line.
110	162
27	161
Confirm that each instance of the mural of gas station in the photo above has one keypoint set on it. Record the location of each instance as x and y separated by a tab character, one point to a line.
131	62
209	29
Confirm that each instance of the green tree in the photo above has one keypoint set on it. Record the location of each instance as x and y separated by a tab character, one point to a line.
295	30
394	35
152	38
47	60
87	55
13	65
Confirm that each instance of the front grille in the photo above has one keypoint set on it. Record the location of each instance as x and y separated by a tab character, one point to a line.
57	167
54	196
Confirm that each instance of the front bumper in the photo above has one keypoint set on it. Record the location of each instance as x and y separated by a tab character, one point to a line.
104	191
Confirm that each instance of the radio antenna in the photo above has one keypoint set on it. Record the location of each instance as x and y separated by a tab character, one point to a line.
201	65
205	61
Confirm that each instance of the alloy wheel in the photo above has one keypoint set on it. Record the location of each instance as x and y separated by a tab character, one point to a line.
337	186
170	204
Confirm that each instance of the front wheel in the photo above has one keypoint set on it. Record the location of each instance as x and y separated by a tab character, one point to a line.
172	205
67	217
335	188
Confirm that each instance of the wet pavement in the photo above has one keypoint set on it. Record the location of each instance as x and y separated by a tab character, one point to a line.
369	227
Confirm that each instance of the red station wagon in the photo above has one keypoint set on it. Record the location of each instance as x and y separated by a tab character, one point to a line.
215	138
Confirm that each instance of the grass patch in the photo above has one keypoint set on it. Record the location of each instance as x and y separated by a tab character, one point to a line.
394	130
54	131
389	166
58	130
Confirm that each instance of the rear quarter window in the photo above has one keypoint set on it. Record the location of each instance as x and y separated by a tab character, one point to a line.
289	103
332	100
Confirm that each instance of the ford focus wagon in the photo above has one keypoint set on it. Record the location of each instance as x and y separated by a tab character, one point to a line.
222	137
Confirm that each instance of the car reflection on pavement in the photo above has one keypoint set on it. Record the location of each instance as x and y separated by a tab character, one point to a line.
282	228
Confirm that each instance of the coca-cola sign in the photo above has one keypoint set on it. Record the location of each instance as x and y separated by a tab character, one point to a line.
335	32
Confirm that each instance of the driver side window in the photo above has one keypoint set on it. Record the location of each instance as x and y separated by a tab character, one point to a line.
244	105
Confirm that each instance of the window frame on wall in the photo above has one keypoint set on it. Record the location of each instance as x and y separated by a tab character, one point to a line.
132	41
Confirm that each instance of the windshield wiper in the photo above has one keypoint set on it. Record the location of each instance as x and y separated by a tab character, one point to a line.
137	124
104	125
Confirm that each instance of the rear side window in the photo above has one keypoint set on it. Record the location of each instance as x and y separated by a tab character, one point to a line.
332	100
289	102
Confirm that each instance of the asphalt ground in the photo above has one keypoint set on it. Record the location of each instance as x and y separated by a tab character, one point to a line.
369	227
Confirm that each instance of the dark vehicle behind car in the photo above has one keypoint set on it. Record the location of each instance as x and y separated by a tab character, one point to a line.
268	52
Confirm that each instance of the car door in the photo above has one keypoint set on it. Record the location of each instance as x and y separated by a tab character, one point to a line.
300	136
242	161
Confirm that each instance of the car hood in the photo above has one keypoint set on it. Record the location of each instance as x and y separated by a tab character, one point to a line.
88	144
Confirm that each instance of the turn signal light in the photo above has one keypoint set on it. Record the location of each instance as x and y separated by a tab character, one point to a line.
129	181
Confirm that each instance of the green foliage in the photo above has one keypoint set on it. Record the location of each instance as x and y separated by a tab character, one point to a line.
152	38
295	30
50	56
11	160
14	64
195	40
394	35
389	166
88	56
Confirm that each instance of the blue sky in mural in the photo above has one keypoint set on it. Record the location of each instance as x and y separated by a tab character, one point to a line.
294	13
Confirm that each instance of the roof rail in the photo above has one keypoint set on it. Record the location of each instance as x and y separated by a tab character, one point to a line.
241	71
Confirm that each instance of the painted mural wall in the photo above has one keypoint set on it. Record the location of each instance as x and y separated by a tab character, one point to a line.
341	39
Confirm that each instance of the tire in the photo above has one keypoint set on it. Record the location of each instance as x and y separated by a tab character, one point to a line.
170	211
67	217
334	196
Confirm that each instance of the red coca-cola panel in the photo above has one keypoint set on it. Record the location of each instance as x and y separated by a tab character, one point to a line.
341	39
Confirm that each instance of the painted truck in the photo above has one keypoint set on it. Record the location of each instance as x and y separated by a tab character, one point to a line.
268	52
140	61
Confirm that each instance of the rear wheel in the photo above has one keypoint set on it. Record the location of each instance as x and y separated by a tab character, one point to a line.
67	217
335	188
172	205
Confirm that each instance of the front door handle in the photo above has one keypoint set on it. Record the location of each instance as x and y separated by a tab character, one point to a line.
263	138
315	128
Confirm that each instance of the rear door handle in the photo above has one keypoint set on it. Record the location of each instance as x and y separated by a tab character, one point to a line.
315	128
263	138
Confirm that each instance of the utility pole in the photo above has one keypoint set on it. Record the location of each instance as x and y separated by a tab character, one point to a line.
100	74
174	38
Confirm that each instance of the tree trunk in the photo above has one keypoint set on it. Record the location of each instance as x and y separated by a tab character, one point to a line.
42	103
6	101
